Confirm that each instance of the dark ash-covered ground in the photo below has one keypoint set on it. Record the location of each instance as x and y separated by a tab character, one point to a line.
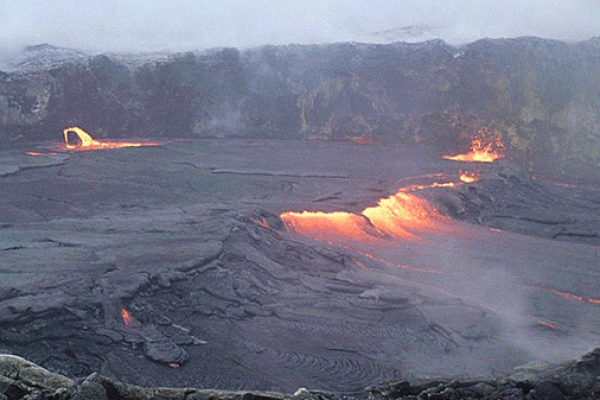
186	237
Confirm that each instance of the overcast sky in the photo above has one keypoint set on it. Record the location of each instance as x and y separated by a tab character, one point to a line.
137	25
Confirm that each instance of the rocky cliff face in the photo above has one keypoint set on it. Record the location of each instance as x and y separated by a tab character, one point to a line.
541	97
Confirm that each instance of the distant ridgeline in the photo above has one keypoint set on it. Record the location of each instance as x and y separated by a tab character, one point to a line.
540	97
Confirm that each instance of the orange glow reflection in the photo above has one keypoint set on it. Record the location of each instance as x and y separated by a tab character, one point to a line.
481	152
83	141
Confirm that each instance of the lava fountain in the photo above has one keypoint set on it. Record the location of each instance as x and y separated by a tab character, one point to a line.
481	151
78	139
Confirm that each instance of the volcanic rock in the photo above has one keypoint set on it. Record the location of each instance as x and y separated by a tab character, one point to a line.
205	253
217	286
19	378
507	197
160	348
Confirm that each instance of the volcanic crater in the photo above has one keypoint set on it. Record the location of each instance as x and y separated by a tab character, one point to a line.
274	265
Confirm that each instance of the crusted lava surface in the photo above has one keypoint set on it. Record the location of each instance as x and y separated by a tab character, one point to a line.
186	238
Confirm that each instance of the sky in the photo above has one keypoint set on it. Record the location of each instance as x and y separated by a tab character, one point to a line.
181	25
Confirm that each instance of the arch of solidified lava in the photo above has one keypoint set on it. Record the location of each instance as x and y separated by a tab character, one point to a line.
86	142
84	138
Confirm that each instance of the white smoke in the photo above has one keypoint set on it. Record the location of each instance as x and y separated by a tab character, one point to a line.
133	25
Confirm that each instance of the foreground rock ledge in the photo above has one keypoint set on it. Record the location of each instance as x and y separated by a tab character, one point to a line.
21	379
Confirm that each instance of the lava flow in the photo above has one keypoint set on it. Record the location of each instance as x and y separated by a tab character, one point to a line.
468	177
413	188
562	181
481	151
397	216
39	154
127	318
83	141
339	224
568	296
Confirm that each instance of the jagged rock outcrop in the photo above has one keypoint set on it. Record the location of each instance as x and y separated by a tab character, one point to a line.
21	379
540	96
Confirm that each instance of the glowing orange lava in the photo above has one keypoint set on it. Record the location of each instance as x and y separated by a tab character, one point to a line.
363	141
481	152
127	319
381	260
564	295
568	296
413	188
363	266
562	181
320	225
468	177
547	324
38	154
262	223
83	141
395	216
